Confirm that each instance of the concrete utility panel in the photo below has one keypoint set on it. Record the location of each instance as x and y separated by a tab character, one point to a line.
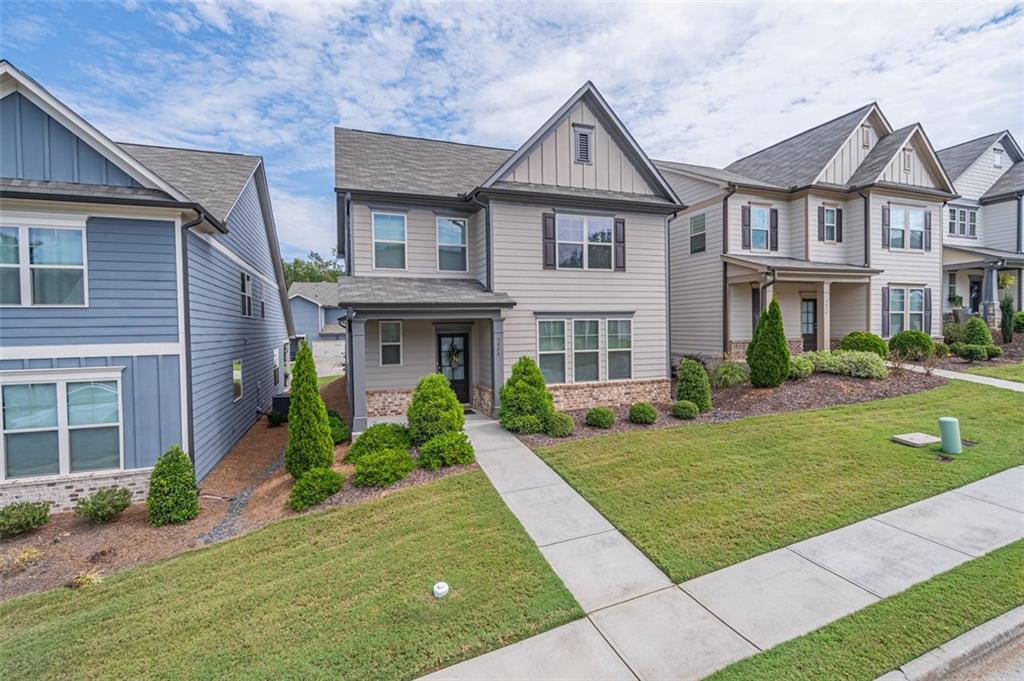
916	439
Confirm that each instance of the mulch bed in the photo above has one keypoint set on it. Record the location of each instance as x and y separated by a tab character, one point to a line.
815	391
1013	353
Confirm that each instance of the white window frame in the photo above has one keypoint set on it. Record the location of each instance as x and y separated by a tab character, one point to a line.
563	352
905	211
241	379
767	229
438	244
374	240
997	160
702	231
586	243
972	224
61	378
609	350
833	225
582	130
950	285
380	343
595	351
24	225
245	294
906	313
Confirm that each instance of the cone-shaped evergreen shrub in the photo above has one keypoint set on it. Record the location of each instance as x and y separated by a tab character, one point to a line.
693	385
173	496
525	394
768	354
309	432
1006	320
434	410
976	332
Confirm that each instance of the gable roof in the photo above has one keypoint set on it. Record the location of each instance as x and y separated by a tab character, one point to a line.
320	292
712	174
1011	182
877	160
959	157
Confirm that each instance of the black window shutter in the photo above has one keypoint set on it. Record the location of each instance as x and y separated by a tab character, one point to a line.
620	244
745	221
549	241
773	230
928	310
885	310
927	230
885	226
839	225
821	223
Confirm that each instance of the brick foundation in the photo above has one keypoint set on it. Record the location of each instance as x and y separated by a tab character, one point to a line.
388	402
738	349
483	399
64	492
587	395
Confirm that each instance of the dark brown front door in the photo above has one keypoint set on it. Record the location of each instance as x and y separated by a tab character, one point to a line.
453	362
809	323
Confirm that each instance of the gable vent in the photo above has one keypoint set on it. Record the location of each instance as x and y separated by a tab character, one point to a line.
584	143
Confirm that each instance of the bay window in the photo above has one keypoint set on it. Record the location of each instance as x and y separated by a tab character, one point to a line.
551	350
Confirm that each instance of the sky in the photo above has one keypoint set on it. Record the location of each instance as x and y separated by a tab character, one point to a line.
695	82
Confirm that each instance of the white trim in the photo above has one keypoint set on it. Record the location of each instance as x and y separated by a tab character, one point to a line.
306	298
381	343
241	379
888	129
183	384
24	222
586	243
10	352
632	349
565	348
767	230
596	351
438	244
230	255
405	241
245	294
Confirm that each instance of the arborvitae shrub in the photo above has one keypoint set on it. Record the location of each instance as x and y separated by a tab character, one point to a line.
434	409
693	384
768	354
309	430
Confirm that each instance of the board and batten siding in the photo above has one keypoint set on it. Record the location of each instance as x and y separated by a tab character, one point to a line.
696	286
919	174
519	272
553	160
132	291
982	174
850	155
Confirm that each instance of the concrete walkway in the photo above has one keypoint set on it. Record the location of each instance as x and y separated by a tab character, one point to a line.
641	626
972	378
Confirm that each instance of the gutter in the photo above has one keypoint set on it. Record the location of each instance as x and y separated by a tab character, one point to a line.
867	227
488	238
668	291
188	334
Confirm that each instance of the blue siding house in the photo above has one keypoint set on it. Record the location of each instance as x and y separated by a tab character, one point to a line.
142	301
320	322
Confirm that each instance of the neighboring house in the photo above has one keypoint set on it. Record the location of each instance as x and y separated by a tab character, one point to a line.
984	236
465	258
320	322
142	301
841	224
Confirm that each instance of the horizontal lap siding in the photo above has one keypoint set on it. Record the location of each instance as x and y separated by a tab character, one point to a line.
419	354
1002	225
696	285
306	318
849	308
851	250
247	235
981	174
786	241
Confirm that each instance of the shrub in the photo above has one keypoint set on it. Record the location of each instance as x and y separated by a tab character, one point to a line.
383	467
173	496
447	449
848	363
85	579
728	374
864	341
644	413
526	424
692	384
434	410
684	409
314	487
104	505
1006	319
601	417
559	425
309	431
767	353
952	333
23	516
276	418
993	351
1018	322
976	332
800	367
525	394
339	431
378	437
941	349
912	344
970	351
699	359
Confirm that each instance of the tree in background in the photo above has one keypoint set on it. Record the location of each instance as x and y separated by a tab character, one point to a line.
313	268
309	432
768	354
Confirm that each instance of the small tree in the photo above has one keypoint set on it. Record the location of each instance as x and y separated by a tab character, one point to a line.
309	432
434	410
768	354
525	394
1006	322
173	495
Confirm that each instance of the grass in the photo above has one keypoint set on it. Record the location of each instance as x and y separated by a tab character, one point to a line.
699	497
339	594
896	630
321	381
1009	372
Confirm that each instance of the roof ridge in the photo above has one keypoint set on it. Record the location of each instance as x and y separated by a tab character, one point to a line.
972	141
422	139
199	151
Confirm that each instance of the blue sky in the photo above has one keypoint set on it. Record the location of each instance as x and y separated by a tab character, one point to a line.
702	83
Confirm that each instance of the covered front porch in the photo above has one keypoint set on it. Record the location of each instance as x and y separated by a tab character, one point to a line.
972	277
820	302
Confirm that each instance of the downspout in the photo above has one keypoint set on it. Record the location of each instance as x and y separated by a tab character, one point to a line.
488	228
867	227
188	334
725	270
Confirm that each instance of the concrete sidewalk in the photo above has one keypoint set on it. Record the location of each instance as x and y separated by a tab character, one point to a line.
972	378
640	625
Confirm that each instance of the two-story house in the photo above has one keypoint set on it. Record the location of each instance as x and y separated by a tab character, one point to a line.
836	223
463	258
141	301
984	230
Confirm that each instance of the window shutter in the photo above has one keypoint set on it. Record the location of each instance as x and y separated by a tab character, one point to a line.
773	231
927	230
745	215
839	225
620	244
549	241
885	311
885	226
928	311
821	223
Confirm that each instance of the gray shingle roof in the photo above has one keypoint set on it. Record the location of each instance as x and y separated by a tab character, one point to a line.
526	187
414	292
212	179
958	158
879	157
716	174
86	190
1011	181
373	161
322	292
799	160
782	263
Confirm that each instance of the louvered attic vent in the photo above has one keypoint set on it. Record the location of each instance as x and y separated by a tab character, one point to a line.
584	143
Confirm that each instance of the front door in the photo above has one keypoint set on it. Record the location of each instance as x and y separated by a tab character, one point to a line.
809	323
975	301
453	362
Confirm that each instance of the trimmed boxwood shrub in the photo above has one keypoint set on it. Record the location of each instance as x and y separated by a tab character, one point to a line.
684	409
314	487
913	345
952	333
767	353
525	394
377	437
104	505
800	367
339	431
941	349
526	424
601	417
434	409
976	332
559	425
173	497
644	413
848	363
23	516
727	374
992	351
382	468
693	384
309	431
864	341
970	351
447	449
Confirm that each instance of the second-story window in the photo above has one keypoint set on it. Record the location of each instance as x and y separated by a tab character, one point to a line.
584	242
389	241
698	225
451	245
42	266
830	224
906	228
963	222
246	295
10	270
760	225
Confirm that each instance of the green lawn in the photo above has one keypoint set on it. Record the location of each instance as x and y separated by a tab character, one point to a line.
321	381
1009	372
699	497
342	594
896	630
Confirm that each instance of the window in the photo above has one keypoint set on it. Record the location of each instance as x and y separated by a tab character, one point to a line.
951	293
972	223
997	158
263	301
916	229
830	224
451	245
897	304
391	344
906	309
10	270
697	233
963	222
236	379
551	350
865	136
908	159
620	349
760	222
906	227
277	367
70	424
952	220
586	350
916	309
389	241
583	136
286	361
42	266
246	295
584	242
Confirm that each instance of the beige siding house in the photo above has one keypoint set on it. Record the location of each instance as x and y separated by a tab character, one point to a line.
839	223
462	259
